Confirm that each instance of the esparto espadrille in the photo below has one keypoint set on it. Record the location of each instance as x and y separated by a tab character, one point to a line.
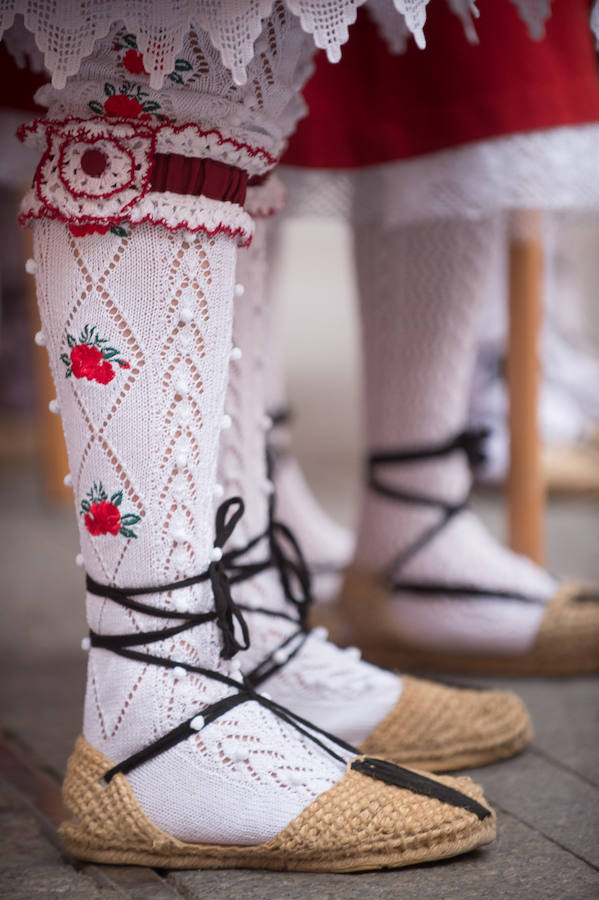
360	823
441	728
376	815
434	727
567	642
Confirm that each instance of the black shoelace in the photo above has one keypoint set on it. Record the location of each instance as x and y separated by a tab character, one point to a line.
222	574
470	442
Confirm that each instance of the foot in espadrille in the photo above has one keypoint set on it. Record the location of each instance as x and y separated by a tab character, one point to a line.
238	780
429	586
333	688
368	819
182	762
566	641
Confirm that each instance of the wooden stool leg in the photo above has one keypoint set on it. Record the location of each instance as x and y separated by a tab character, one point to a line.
54	461
526	489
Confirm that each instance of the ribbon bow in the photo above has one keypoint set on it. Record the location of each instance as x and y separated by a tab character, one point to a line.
293	569
227	611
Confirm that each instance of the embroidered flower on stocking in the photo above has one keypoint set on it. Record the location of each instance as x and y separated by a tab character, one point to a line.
130	102
91	357
132	60
103	516
85	230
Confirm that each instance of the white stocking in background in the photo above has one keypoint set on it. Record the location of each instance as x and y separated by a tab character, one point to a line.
137	324
331	687
327	545
421	290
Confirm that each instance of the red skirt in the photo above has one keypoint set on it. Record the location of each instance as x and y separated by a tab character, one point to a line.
375	107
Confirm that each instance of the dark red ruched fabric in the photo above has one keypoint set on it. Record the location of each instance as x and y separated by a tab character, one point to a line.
187	175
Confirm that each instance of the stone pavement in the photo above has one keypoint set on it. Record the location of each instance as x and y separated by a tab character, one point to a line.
547	799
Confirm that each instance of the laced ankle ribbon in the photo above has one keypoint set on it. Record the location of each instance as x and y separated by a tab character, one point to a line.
222	574
470	442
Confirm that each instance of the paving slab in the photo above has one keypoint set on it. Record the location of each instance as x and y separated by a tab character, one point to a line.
521	864
43	705
556	803
565	716
31	867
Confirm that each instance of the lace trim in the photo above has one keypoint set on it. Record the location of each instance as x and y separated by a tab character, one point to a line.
534	13
551	169
233	27
188	139
173	211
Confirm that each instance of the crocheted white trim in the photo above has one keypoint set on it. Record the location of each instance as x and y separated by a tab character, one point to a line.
189	139
232	25
173	211
194	214
266	199
121	192
62	186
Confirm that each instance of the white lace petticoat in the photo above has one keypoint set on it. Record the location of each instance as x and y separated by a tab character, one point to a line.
233	26
550	169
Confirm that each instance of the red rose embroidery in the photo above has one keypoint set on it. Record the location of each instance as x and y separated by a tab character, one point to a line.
83	230
124	107
91	357
103	518
88	362
134	63
128	101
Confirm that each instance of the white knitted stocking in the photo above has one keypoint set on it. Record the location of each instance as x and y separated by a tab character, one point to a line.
333	688
421	290
328	546
137	322
142	433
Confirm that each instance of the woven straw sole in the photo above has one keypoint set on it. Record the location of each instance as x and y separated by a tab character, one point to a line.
567	643
358	824
440	728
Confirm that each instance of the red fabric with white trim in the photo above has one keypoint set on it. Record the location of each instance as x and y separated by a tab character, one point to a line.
100	172
374	107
